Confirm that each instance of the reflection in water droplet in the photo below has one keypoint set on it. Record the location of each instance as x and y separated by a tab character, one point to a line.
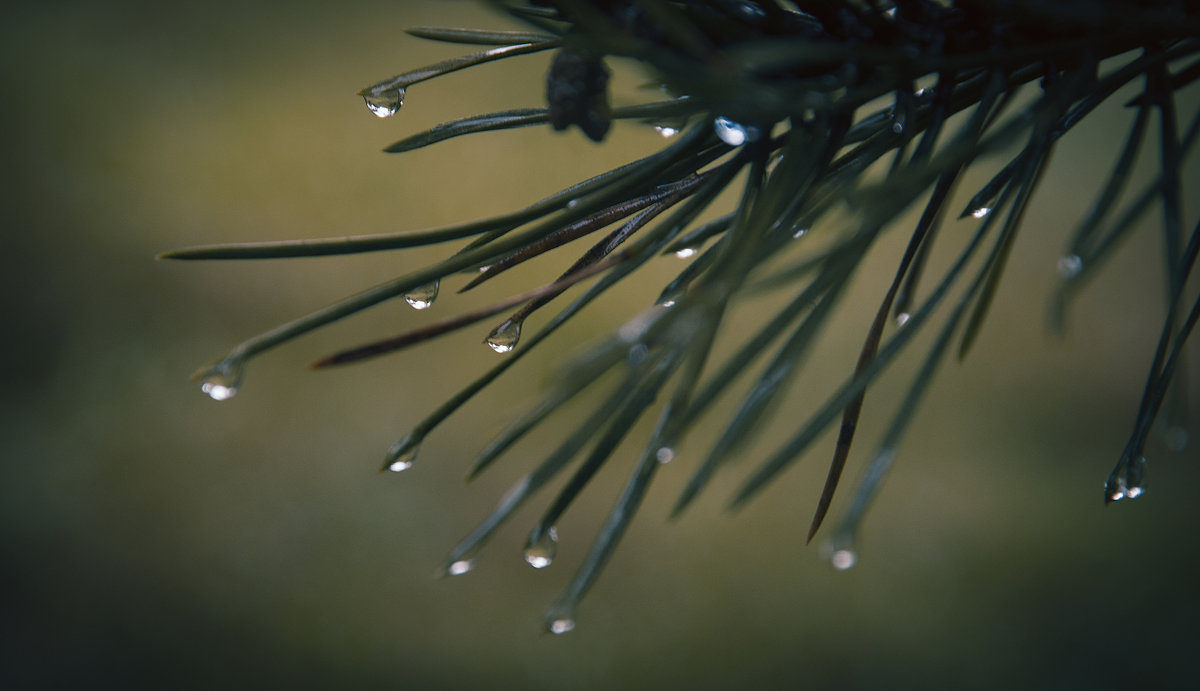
222	380
460	567
1070	265
686	252
902	318
504	338
800	233
385	105
898	127
981	211
666	130
665	455
540	552
423	296
562	625
734	133
843	559
667	303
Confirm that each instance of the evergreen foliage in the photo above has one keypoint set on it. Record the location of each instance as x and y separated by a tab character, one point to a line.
782	99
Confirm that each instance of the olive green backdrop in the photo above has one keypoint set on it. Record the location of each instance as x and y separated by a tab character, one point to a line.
153	538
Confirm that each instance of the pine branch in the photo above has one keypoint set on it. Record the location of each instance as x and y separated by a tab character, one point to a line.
786	94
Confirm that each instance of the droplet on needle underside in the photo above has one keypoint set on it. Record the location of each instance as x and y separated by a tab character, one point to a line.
734	133
540	552
1069	266
222	380
423	296
843	558
403	460
504	337
460	567
1126	481
384	104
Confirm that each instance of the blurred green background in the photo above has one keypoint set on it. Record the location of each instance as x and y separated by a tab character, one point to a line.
155	539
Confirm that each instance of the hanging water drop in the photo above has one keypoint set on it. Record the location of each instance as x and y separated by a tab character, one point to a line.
898	127
1126	481
222	380
800	233
686	252
902	318
637	354
665	455
666	131
843	559
540	551
561	625
460	567
734	133
1069	266
402	458
385	104
981	211
423	296
504	338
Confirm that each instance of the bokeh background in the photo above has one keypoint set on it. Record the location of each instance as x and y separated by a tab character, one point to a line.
153	538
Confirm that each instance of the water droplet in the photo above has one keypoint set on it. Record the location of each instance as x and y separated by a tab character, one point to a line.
403	460
638	353
460	567
667	303
843	559
423	296
1126	481
1070	265
981	211
561	625
686	252
504	338
665	455
222	380
666	130
573	203
902	318
800	233
898	127
540	552
385	105
734	133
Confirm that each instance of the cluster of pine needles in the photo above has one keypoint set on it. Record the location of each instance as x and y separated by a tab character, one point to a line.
782	102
